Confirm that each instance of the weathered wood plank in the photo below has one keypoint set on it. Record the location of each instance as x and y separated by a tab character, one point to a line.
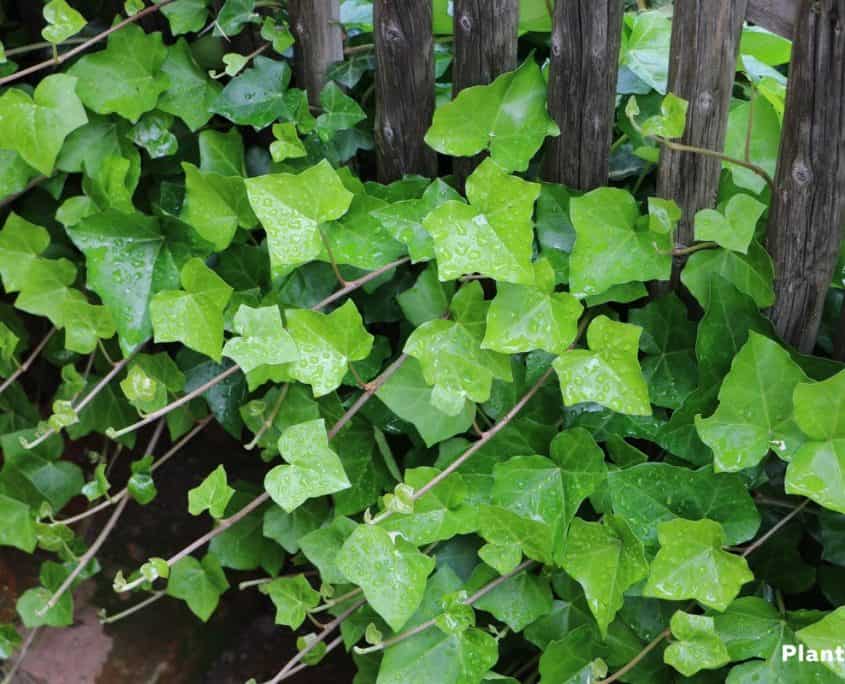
808	208
702	63
778	16
586	35
319	42
486	36
404	87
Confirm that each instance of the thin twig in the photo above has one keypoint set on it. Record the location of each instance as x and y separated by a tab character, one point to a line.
34	47
134	609
774	529
332	260
353	285
10	675
680	147
331	603
24	367
61	59
270	419
332	645
631	664
34	183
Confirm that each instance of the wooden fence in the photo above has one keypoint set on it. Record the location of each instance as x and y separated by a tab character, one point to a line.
806	214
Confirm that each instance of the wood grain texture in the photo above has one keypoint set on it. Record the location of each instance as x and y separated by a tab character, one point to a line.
319	42
486	35
404	87
807	211
586	35
778	16
702	64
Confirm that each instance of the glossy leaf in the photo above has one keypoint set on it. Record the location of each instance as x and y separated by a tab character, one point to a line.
212	495
734	229
199	583
262	339
698	647
293	597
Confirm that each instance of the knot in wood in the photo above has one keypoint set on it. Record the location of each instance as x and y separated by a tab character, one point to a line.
556	49
704	101
393	33
801	173
465	23
387	134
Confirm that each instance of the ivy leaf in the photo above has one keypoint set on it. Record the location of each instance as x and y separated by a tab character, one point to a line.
31	604
18	529
263	339
46	292
755	411
126	77
194	315
141	485
508	117
21	243
287	144
826	634
818	469
85	324
36	127
293	597
149	381
186	16
609	248
212	495
572	659
698	647
359	240
222	153
692	565
322	546
327	343
605	559
391	572
314	470
523	318
233	16
62	21
609	373
98	486
152	132
199	584
764	142
750	273
278	34
671	121
339	112
191	92
493	235
257	96
647	50
583	466
749	628
734	229
291	209
648	494
10	641
518	601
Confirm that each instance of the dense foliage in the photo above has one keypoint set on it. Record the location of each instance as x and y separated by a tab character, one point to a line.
488	449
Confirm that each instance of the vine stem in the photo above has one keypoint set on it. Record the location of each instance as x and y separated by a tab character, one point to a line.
332	645
683	251
133	609
775	529
34	183
61	59
23	49
422	627
287	670
24	649
24	367
88	398
125	491
353	285
269	420
101	538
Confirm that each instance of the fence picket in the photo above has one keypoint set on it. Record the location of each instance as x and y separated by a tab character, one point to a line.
319	42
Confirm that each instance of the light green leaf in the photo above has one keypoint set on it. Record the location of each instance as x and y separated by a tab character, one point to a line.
755	411
339	112
692	565
768	47
257	96
126	77
734	229
215	206
697	648
31	604
508	117
671	121
663	215
46	292
98	486
234	16
287	144
150	380
765	142
609	373
493	235
293	598
609	248
818	469
582	464
750	628
21	243
85	324
314	470
391	572
18	529
750	273
186	16
291	209
212	495
647	49
278	34
152	132
322	546
263	339
518	601
36	127
605	559
199	584
62	21
191	92
222	153
572	658
826	634
194	315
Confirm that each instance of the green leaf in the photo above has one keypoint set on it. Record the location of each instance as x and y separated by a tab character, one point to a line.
46	291
234	16
10	641
21	243
518	601
755	411
199	584
609	248
322	546
212	495
257	96
151	378
215	206
222	153
191	92
287	144
391	572
609	373
818	469
751	273
339	112
291	209
648	494
98	486
697	648
314	470
152	132
186	16
493	235
141	485
663	215
85	324
125	78
278	34
194	315
508	117
692	565
605	559
327	343
749	628
571	660
293	597
647	50
62	21
826	634
735	228
765	142
36	127
263	339
671	121
18	529
31	604
582	463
